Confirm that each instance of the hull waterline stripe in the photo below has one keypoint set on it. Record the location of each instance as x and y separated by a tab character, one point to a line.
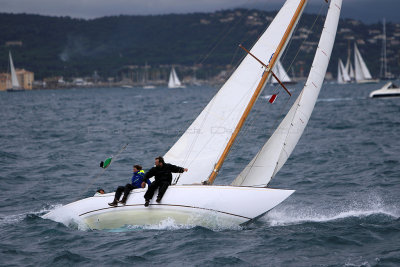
169	206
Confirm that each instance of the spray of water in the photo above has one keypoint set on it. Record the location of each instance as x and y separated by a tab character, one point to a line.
357	207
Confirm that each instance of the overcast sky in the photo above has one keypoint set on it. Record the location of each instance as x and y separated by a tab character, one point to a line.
366	10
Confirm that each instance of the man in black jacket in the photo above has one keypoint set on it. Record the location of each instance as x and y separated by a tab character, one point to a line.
162	173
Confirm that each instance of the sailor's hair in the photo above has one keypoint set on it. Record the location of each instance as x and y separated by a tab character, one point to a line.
160	159
138	167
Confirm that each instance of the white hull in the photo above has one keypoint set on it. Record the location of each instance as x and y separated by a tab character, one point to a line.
176	86
187	205
367	81
388	90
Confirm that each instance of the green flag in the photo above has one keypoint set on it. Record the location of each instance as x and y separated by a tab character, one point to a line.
106	163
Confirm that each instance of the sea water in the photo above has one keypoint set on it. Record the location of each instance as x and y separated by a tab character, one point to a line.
345	170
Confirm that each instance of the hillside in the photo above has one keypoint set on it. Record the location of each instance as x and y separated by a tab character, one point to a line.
62	46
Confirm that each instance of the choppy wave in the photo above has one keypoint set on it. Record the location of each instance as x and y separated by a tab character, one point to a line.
292	215
51	151
16	218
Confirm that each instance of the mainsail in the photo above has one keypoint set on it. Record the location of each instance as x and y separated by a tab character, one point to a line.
276	151
361	70
200	147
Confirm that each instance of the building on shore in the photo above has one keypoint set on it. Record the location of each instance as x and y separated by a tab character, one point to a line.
25	79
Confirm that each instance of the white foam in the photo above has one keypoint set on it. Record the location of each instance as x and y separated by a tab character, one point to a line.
16	218
289	215
335	99
210	222
68	219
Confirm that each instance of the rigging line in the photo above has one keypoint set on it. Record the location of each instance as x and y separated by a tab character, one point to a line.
228	76
209	140
195	140
227	32
204	119
103	170
242	16
233	69
311	28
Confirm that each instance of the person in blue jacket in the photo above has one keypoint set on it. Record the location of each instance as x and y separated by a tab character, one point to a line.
137	182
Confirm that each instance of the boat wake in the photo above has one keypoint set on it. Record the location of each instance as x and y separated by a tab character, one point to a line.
336	99
293	215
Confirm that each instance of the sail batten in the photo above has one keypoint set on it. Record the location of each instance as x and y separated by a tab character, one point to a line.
270	159
200	147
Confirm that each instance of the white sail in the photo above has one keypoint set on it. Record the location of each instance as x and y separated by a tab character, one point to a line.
349	68
343	76
202	144
174	81
280	73
14	79
340	79
361	71
276	151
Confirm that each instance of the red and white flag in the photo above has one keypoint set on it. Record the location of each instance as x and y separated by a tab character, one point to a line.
272	99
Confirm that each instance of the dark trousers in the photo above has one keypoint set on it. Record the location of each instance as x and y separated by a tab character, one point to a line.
126	189
162	187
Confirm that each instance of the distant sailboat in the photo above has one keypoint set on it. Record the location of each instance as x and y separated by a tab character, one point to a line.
146	84
14	86
282	75
343	76
362	74
384	73
174	81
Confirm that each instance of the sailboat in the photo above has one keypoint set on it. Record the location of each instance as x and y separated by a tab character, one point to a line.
174	81
280	72
361	72
342	76
192	199
13	85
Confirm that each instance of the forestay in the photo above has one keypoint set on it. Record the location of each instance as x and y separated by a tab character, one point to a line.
276	151
201	145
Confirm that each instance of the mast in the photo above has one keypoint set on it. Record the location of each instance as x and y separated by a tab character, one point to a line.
257	92
383	56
